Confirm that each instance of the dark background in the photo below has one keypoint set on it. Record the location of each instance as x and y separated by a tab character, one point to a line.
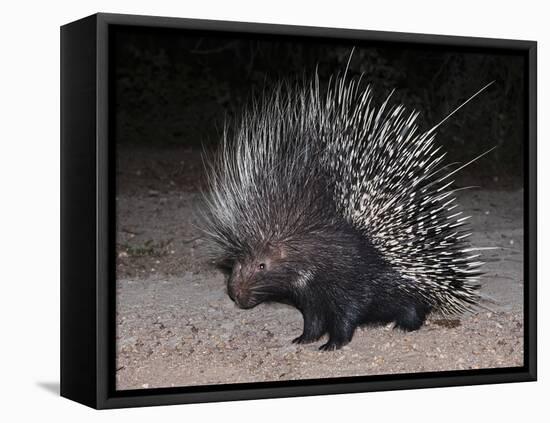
174	89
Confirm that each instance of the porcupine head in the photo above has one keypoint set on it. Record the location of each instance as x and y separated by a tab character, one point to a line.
337	207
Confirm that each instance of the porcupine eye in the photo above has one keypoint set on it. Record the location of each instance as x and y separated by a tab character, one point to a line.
261	266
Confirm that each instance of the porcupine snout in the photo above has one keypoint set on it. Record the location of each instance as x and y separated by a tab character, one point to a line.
238	288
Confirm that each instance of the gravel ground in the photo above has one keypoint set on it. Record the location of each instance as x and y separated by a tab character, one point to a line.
177	327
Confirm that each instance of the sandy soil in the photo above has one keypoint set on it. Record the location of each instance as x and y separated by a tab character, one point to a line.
177	327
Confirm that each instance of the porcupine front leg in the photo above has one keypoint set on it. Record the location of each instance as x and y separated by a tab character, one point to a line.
340	333
314	328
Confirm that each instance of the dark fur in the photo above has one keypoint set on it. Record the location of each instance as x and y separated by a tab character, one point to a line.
350	285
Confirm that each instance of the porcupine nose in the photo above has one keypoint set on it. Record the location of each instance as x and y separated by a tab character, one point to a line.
231	291
237	294
242	299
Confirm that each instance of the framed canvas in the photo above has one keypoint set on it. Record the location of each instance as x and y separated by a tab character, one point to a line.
258	211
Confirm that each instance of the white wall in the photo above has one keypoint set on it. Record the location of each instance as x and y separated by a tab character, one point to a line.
29	170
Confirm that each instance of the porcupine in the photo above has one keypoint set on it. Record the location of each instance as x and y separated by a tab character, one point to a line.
340	208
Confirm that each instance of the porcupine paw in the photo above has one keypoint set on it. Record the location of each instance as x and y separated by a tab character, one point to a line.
331	346
302	339
306	338
339	336
335	343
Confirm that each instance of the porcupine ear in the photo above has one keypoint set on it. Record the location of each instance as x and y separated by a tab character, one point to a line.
276	251
281	252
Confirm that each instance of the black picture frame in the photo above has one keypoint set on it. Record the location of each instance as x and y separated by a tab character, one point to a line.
87	224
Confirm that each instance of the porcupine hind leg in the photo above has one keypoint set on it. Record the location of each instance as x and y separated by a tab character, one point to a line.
411	317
